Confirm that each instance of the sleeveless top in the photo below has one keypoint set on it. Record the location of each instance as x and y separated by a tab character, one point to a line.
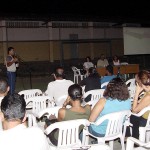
146	114
111	105
71	115
11	68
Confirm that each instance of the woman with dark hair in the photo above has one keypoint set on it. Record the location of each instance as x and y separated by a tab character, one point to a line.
92	82
75	112
116	98
142	84
116	60
87	64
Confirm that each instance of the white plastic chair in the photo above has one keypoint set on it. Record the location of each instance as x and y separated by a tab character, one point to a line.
144	132
142	146
61	100
131	82
30	93
68	132
104	84
95	96
77	74
114	128
39	103
31	120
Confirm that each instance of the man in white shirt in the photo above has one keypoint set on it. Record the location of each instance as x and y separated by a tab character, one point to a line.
102	62
59	87
15	135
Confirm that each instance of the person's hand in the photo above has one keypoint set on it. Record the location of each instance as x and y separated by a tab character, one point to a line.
51	117
139	89
67	101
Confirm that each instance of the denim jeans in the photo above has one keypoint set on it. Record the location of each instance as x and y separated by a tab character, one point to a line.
11	81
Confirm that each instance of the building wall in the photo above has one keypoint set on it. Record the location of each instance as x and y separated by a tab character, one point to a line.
34	41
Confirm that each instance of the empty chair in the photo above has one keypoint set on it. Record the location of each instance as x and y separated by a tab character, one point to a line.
114	127
30	93
39	103
77	74
68	132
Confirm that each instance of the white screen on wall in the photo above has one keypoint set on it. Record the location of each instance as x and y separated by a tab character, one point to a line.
136	40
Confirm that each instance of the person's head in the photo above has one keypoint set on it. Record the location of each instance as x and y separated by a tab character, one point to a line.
10	51
109	70
117	89
143	79
59	73
4	88
13	107
102	57
75	92
92	72
88	59
115	58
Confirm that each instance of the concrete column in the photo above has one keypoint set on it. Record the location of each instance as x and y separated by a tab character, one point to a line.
51	52
4	38
91	37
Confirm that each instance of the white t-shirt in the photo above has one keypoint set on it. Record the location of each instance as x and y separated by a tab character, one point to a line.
102	63
58	88
23	138
11	68
1	99
88	65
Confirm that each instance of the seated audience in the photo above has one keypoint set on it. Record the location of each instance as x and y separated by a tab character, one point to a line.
16	135
91	82
102	62
142	84
4	88
116	60
59	87
116	98
109	75
87	64
75	112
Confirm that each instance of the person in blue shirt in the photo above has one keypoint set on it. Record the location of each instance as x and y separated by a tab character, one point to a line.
116	98
109	75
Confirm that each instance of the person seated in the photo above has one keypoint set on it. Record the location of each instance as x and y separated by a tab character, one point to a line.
142	84
4	88
87	64
91	82
75	112
109	75
59	87
116	61
15	134
116	98
102	62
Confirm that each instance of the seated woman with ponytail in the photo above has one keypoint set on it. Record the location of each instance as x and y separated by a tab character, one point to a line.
75	112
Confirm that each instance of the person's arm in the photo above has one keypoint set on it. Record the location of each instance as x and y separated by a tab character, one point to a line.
61	114
49	90
97	109
139	105
10	60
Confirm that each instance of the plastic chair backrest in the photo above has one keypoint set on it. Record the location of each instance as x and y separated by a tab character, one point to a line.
30	93
68	131
49	111
95	94
61	100
76	70
39	103
131	82
104	84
